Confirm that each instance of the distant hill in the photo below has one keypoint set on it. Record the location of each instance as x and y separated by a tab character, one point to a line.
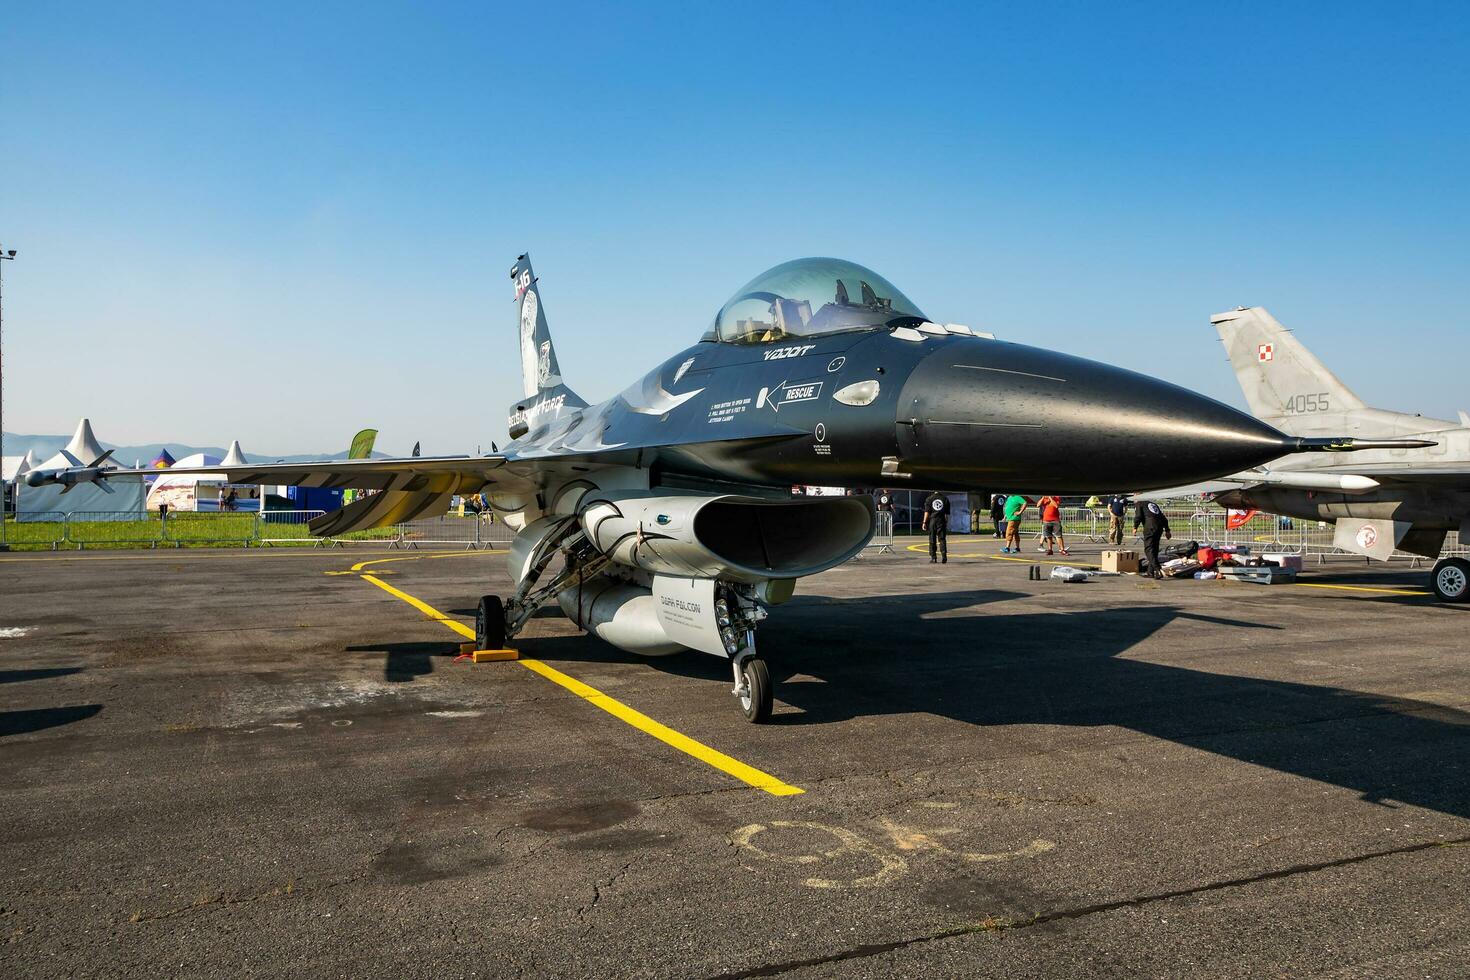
45	447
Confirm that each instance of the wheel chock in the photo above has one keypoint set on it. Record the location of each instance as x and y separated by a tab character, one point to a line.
484	656
468	652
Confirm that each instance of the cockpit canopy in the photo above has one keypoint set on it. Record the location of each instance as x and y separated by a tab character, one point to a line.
810	297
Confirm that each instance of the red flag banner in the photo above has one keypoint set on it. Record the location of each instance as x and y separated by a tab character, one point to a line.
1237	518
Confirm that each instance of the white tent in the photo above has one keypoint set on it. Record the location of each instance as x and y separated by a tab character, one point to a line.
43	503
12	468
201	491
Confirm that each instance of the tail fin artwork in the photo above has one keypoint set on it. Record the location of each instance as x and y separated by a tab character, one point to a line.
1286	385
1283	382
545	396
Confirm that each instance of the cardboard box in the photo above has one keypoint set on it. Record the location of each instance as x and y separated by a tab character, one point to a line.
1120	561
1293	561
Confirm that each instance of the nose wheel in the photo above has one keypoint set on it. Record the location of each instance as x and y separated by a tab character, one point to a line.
753	688
1451	580
490	623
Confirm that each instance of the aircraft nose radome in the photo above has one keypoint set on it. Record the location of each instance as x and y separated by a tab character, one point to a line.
1025	418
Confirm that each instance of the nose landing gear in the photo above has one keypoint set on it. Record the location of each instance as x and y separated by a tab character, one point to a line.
753	687
490	623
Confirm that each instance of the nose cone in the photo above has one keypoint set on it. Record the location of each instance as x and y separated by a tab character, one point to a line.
998	415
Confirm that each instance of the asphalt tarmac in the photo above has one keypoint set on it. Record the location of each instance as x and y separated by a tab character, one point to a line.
232	764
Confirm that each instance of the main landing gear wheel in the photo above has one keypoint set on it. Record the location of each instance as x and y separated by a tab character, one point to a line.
1451	580
490	623
755	690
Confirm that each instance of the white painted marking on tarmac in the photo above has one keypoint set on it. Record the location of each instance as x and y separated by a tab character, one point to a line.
14	632
454	714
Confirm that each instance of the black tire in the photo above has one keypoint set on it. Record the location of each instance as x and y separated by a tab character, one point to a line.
490	623
1451	580
757	704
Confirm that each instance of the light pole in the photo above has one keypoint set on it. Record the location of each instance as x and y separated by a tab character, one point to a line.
4	515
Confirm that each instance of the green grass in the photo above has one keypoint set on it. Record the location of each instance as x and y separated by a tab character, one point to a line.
186	529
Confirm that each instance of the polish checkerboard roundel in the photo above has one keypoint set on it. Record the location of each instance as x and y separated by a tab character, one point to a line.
1265	352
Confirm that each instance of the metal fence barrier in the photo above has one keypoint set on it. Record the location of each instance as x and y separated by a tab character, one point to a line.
882	540
289	527
1189	519
276	528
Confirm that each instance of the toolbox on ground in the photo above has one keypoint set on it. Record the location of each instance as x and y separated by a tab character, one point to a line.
1259	574
1120	561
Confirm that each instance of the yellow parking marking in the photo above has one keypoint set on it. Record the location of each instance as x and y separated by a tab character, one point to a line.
711	757
1041	561
1358	588
923	549
447	554
422	607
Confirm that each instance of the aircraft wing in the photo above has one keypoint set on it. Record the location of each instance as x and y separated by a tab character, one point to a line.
1453	473
1361	480
414	472
405	488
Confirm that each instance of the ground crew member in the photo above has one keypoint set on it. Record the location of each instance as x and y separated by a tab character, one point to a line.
1015	507
1051	524
998	514
1117	508
1151	518
936	521
883	501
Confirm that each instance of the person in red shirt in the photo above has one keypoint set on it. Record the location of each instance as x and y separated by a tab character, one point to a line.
1051	524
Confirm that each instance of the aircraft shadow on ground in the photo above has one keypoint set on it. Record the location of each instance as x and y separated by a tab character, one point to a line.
405	661
36	674
39	719
837	659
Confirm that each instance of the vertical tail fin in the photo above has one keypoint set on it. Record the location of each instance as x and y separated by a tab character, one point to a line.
545	395
1282	381
539	369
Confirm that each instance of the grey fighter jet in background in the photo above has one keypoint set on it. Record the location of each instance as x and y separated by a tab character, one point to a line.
1402	497
662	518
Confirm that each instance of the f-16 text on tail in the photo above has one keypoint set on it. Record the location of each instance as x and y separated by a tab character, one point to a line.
662	518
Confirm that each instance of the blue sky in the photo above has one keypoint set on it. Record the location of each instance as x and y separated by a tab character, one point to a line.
280	223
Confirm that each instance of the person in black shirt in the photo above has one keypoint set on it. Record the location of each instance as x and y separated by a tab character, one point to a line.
1117	508
936	521
998	513
883	503
1154	523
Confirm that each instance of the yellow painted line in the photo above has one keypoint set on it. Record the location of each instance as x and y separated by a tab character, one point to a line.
422	607
1358	588
1043	560
711	757
445	554
1038	560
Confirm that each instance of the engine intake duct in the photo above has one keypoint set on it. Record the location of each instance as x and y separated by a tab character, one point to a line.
783	539
749	539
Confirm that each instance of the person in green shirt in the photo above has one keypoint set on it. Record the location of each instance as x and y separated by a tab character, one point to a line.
1015	507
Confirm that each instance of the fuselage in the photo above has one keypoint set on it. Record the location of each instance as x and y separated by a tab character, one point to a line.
925	407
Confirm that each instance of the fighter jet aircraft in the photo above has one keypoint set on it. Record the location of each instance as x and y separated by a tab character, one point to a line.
1400	498
662	518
